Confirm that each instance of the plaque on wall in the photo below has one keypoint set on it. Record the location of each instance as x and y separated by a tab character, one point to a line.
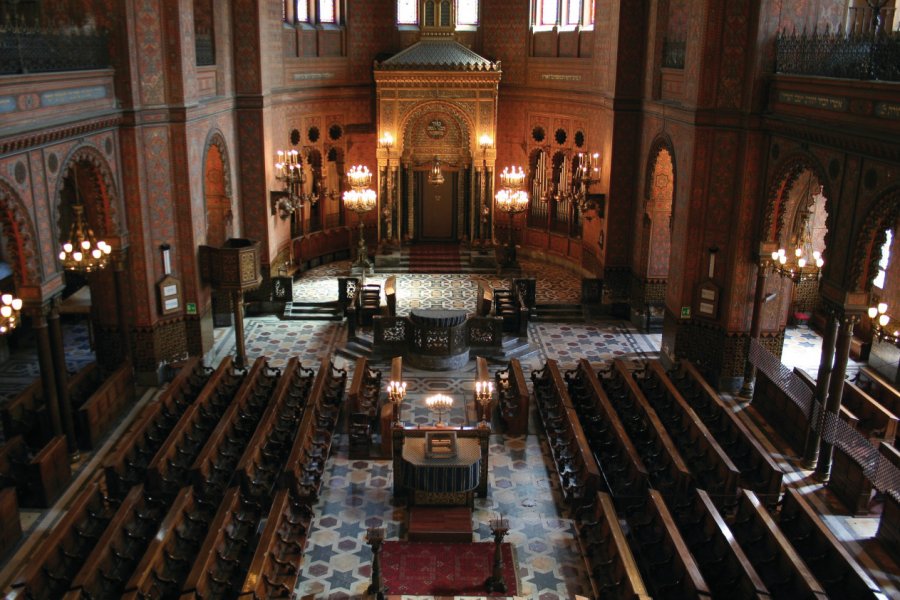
708	300
169	295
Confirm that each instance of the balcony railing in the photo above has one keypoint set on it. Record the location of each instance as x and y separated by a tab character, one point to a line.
673	54
856	56
43	50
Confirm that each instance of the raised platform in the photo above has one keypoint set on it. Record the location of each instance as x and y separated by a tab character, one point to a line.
440	524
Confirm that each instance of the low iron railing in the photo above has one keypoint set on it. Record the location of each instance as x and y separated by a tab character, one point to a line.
868	56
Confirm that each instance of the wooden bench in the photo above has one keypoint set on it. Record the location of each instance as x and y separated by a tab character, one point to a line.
723	563
776	561
217	570
447	524
619	460
168	470
267	450
10	525
117	552
97	414
28	415
758	471
780	411
837	570
613	570
578	472
365	390
56	560
667	469
879	388
39	477
670	569
275	565
848	481
126	463
875	421
512	398
213	468
710	465
170	554
889	524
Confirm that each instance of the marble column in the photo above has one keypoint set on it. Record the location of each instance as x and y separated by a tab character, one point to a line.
58	353
48	374
762	277
836	389
813	432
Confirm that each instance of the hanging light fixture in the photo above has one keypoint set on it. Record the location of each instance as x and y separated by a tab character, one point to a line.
81	251
436	177
805	263
9	312
880	321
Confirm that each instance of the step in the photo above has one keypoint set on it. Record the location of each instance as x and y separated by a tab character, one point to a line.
439	524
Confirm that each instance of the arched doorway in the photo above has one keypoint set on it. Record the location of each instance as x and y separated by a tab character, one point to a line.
219	219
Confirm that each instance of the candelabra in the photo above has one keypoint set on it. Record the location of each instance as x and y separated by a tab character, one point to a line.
484	394
440	404
799	267
512	200
9	312
880	321
360	199
396	392
81	251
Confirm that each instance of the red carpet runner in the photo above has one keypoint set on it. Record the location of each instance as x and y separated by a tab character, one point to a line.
430	569
434	258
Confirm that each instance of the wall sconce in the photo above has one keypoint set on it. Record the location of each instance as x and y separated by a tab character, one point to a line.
436	177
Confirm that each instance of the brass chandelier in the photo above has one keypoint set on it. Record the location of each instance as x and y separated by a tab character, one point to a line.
81	251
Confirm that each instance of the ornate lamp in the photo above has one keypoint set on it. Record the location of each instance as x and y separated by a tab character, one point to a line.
512	201
81	251
804	263
361	199
880	322
396	392
436	177
440	404
484	142
484	394
9	312
586	174
289	171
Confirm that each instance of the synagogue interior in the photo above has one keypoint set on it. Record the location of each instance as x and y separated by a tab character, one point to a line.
538	299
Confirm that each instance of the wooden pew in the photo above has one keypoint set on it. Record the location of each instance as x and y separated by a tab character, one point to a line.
710	465
386	416
365	389
665	465
837	570
575	463
275	565
126	463
612	567
758	470
58	557
845	413
849	482
265	455
889	524
619	460
112	561
217	570
213	468
10	525
879	388
785	417
512	398
723	563
168	559
99	412
27	415
875	421
39	478
776	561
669	566
167	471
312	443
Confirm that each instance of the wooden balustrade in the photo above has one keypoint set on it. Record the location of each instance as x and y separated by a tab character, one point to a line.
100	411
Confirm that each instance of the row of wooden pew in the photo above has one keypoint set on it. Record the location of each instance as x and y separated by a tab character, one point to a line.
707	535
190	486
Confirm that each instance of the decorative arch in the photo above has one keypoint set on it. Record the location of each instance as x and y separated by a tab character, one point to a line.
106	200
215	138
777	194
884	213
20	236
217	198
661	142
463	121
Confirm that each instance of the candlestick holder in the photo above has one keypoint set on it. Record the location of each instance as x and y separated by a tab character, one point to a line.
440	404
396	392
375	538
499	529
484	395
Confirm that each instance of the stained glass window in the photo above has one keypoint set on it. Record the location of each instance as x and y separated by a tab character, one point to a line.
549	12
408	12
326	11
467	12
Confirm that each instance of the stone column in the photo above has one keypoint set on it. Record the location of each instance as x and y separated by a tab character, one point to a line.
836	389
762	277
58	353
48	374
410	209
814	430
121	295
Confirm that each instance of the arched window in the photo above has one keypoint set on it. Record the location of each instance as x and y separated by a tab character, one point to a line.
885	259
